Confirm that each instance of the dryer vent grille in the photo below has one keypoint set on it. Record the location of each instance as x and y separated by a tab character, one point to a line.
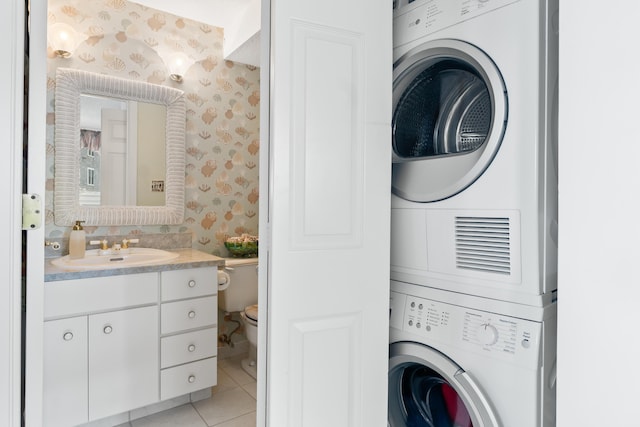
483	244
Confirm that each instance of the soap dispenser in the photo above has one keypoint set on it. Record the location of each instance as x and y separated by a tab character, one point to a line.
77	241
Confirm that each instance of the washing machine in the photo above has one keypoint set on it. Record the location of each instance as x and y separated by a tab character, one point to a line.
461	360
474	185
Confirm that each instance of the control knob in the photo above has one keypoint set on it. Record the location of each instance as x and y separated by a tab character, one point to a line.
487	334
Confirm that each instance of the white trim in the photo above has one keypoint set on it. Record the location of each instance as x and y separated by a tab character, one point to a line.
265	225
36	176
11	116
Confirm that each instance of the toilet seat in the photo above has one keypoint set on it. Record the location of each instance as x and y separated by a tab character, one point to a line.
251	313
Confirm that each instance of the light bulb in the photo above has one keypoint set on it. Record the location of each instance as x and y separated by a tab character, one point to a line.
63	39
178	64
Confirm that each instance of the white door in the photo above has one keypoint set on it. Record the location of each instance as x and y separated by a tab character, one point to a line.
114	179
11	97
325	213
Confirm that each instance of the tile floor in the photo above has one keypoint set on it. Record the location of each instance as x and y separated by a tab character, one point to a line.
232	404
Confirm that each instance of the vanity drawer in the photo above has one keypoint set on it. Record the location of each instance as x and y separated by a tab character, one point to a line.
69	297
189	314
194	282
188	378
187	347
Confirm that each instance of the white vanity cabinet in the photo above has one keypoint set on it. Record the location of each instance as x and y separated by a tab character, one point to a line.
188	319
66	398
100	347
123	360
116	343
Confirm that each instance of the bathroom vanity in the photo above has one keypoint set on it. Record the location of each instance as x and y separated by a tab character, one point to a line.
120	339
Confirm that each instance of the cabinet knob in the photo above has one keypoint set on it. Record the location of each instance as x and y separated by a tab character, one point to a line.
68	336
191	348
192	314
192	378
107	329
192	283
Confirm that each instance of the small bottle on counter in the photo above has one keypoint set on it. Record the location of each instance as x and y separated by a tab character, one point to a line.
77	241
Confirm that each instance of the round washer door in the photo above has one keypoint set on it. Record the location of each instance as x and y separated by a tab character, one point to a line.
449	118
427	389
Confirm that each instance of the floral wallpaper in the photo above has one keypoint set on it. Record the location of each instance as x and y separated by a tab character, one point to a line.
128	40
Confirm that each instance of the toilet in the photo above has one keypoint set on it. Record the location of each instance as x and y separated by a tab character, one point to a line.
242	296
250	319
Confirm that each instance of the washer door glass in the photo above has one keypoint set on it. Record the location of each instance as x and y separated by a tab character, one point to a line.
426	400
428	389
449	117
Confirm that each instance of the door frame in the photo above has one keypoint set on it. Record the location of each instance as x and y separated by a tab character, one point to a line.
36	178
12	118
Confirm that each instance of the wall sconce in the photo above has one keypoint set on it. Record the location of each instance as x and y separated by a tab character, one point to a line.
178	64
63	39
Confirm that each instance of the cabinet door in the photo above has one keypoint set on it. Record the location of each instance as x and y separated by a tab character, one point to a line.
65	372
123	361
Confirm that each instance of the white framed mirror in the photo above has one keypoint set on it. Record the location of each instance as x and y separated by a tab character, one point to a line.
73	199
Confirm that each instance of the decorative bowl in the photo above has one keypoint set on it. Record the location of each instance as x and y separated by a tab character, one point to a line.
242	249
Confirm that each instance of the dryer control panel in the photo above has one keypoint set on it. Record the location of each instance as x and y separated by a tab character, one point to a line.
413	19
442	325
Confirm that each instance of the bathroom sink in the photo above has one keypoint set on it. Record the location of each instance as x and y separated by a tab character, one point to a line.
96	259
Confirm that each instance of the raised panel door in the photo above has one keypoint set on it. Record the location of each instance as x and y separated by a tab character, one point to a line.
326	252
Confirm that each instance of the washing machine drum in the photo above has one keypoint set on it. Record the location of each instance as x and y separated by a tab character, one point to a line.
427	389
449	117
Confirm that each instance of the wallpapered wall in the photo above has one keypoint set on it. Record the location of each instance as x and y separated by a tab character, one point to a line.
127	40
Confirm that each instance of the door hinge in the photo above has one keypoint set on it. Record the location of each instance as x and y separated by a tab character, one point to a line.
31	211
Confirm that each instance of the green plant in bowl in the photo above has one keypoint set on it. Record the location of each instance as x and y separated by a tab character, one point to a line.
242	249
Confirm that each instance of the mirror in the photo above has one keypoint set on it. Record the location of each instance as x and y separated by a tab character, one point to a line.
76	138
122	152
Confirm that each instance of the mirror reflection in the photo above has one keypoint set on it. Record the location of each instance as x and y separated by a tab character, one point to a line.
122	152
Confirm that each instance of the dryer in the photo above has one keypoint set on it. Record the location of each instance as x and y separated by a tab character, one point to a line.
474	186
460	360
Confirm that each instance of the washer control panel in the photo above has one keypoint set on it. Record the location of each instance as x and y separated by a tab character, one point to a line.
493	335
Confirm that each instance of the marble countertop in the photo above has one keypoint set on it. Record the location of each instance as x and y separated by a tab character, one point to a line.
187	258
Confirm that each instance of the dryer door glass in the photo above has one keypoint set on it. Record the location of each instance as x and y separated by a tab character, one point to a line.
420	397
449	118
445	110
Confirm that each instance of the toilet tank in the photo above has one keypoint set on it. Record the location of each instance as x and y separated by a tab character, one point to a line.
243	287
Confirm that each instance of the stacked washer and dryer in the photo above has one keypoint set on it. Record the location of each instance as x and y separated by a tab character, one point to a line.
474	213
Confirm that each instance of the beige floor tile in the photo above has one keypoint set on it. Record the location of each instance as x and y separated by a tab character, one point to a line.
183	416
223	407
233	368
247	420
225	382
252	389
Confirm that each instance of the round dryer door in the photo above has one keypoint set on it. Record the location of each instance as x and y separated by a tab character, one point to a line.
449	117
427	389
